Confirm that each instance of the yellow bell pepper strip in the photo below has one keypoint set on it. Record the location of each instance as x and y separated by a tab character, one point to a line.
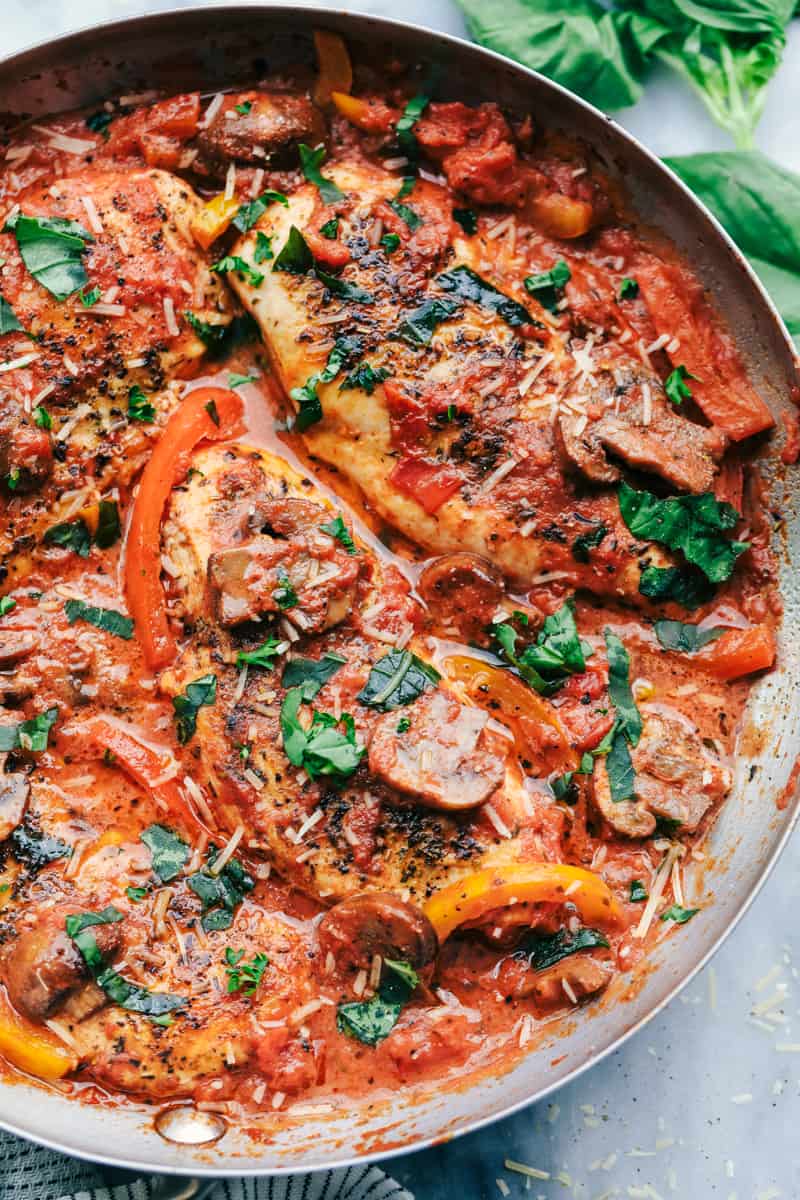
335	68
540	737
213	218
495	887
31	1049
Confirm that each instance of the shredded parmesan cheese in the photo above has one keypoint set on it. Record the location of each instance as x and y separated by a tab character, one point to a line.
228	851
169	317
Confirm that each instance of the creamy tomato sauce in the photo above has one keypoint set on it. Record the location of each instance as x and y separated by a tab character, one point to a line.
384	574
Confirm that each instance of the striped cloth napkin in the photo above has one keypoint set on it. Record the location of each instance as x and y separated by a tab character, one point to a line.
29	1172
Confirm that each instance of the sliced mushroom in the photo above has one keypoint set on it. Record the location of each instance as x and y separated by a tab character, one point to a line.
249	126
377	923
462	592
583	974
675	778
446	758
630	416
14	792
16	646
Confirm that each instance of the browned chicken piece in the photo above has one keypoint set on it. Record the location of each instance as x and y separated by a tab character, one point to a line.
631	418
42	967
446	758
357	929
251	126
292	564
14	792
676	779
26	452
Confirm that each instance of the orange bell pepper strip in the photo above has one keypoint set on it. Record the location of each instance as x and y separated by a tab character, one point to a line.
335	68
738	652
30	1048
554	883
212	219
191	424
538	732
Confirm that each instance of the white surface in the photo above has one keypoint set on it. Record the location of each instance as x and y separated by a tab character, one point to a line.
704	1103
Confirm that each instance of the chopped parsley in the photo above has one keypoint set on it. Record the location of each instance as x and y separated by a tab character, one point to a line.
235	380
243	976
676	387
330	229
244	108
139	407
328	747
136	894
548	286
90	298
284	594
679	914
337	529
6	605
390	242
264	656
220	894
310	163
406	138
234	262
42	417
628	289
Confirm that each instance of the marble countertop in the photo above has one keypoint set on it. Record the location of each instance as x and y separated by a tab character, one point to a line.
705	1102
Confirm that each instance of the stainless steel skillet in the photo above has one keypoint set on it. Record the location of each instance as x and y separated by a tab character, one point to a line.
215	47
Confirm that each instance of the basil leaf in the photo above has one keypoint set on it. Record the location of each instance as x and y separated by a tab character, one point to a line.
139	407
390	242
284	595
679	914
311	674
407	214
365	378
619	766
685	586
310	162
90	298
109	529
543	951
8	319
233	262
71	535
99	122
30	735
548	286
221	894
42	417
629	719
463	282
418	326
242	976
263	248
323	749
169	852
337	529
106	619
585	542
306	397
396	679
330	229
676	387
467	219
370	1021
136	894
687	639
628	289
200	692
235	379
37	849
52	249
404	128
638	892
693	524
557	653
343	289
263	657
128	995
251	211
220	339
244	108
6	605
295	256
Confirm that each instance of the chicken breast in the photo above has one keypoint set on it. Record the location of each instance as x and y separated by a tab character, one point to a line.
417	788
451	437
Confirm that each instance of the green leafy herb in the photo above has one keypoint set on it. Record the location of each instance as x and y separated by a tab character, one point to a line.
71	535
629	719
200	692
686	586
548	286
221	339
370	1021
628	289
323	748
407	214
8	319
585	542
13	477
674	635
139	407
252	210
128	995
244	108
169	852
136	894
311	674
99	122
676	387
233	262
404	128
364	377
543	951
679	914
284	594
295	257
42	417
638	892
330	229
310	162
263	657
242	976
403	725
337	529
263	248
236	380
343	289
108	529
212	336
390	242
344	351
564	787
37	849
467	219
557	653
52	250
396	679
418	327
90	298
693	524
464	283
28	735
7	603
220	894
107	619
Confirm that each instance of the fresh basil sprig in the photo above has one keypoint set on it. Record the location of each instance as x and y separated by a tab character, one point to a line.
52	249
396	679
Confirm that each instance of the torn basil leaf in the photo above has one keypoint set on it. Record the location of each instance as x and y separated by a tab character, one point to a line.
311	674
557	653
284	594
52	250
343	289
263	248
407	214
370	1021
234	262
71	535
294	257
464	283
679	914
128	995
695	525
107	619
638	892
344	350
109	528
36	849
169	852
687	639
418	326
619	689
548	286
330	229
7	603
220	894
310	163
324	748
404	128
585	542
365	378
396	679
543	951
686	586
390	242
8	319
251	211
628	289
30	735
264	656
467	219
676	387
200	692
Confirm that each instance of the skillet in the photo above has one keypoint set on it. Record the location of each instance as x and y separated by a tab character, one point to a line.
213	48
